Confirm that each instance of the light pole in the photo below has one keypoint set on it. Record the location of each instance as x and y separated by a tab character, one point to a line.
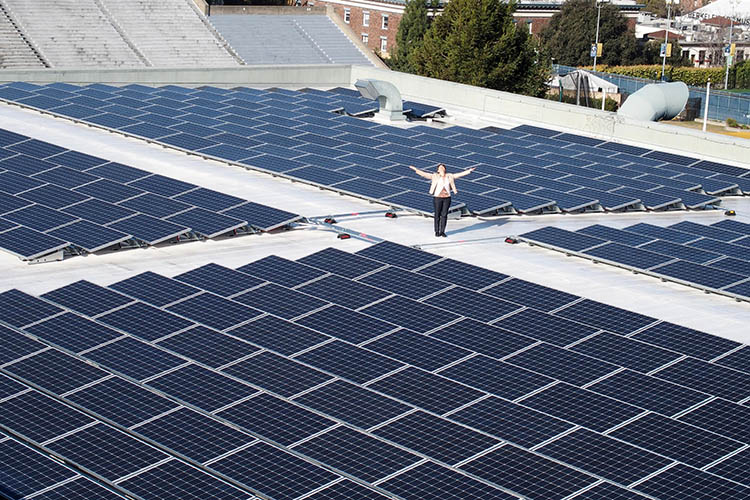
666	38
599	4
728	57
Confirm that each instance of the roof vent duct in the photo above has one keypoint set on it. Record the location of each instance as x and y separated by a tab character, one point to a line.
656	101
387	95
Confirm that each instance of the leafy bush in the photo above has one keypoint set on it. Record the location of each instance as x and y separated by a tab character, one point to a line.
731	122
742	75
691	76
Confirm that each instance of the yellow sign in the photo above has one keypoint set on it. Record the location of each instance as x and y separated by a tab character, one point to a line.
732	48
598	49
669	50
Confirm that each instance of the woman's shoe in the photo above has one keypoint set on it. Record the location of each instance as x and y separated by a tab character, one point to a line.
443	235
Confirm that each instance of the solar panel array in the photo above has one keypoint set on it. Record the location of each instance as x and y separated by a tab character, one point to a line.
713	257
307	136
335	377
55	200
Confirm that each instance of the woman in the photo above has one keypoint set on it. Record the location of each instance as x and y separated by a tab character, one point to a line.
440	189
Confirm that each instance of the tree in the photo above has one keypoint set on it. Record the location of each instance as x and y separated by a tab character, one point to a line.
572	30
659	8
476	42
411	31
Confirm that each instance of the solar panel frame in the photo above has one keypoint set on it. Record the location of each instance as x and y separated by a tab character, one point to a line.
89	236
28	244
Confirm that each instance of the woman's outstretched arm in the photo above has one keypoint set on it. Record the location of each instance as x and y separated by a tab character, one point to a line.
465	172
420	173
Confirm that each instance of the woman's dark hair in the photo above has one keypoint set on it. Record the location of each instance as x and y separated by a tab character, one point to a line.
437	169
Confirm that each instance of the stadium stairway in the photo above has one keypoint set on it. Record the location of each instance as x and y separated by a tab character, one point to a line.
72	33
170	33
16	51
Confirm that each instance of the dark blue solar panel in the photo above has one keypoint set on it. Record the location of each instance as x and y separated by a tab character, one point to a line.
118	172
134	358
463	274
708	377
722	417
6	224
357	453
425	390
208	346
147	130
73	332
36	148
346	324
25	165
149	229
277	374
472	304
596	454
39	418
562	238
528	474
348	361
16	345
108	190
282	271
410	314
682	481
154	288
55	371
344	292
175	480
111	120
398	255
545	327
606	317
531	294
65	177
13	183
683	252
219	280
700	274
24	471
276	419
340	262
208	199
612	234
207	223
405	283
40	218
346	490
155	205
272	162
496	377
683	442
9	387
87	298
18	308
164	186
662	233
89	236
627	255
262	217
214	311
609	201
53	196
145	321
429	481
278	335
28	243
106	451
353	404
99	212
559	363
79	488
739	360
629	353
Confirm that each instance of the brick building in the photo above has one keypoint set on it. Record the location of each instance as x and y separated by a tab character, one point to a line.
376	21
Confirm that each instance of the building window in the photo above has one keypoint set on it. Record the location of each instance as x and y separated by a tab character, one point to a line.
383	44
385	22
365	18
365	38
347	15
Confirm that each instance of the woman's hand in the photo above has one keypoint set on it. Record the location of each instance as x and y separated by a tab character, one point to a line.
413	167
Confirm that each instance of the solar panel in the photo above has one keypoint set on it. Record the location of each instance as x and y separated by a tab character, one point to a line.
613	234
722	417
661	233
13	183
344	292
108	190
629	256
150	229
29	244
87	298
277	374
595	453
78	488
134	358
40	418
648	392
350	362
564	365
55	371
733	225
472	304
89	236
174	480
410	314
208	346
72	332
25	471
122	402
218	279
40	218
145	321
357	453
681	480
419	350
345	490
463	274
404	283
353	404
708	377
339	262
36	148
105	451
699	274
562	238
262	217
545	327
281	301
737	360
165	186
274	472
53	196
278	335
683	252
19	309
98	212
429	481
606	317
155	205
206	223
608	491
214	311
691	445
276	419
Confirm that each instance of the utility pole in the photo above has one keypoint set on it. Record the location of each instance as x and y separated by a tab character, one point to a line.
666	39
728	54
599	4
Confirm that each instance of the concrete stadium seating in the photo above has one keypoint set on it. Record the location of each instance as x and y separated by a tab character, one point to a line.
72	33
15	51
169	33
287	39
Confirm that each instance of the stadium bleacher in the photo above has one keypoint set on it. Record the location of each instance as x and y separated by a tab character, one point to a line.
288	39
16	49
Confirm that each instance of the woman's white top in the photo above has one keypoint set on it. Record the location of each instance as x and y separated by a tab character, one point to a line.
443	183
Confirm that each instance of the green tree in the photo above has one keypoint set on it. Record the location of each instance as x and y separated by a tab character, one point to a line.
411	31
651	50
572	30
476	42
659	8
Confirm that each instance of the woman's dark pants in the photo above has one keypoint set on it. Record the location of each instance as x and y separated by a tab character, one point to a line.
441	213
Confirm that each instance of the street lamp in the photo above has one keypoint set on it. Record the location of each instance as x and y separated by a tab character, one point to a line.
599	4
666	37
728	56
